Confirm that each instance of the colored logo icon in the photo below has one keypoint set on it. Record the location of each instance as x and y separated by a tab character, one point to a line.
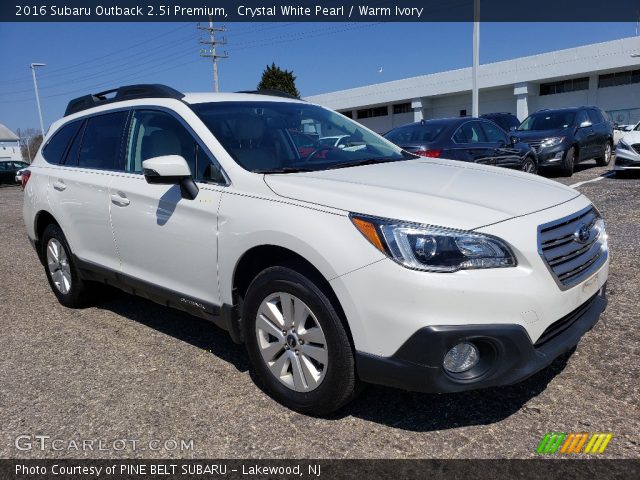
574	443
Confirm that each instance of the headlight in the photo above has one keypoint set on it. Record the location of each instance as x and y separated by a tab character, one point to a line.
434	249
623	146
551	142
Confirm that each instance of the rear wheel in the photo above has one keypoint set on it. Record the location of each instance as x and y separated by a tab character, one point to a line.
67	285
566	168
606	158
297	343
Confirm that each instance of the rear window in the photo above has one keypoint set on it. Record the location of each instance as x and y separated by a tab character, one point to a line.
415	133
54	150
102	140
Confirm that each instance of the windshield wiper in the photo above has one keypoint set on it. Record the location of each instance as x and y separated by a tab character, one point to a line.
368	161
284	170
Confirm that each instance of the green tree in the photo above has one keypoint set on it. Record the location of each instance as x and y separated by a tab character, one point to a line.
274	78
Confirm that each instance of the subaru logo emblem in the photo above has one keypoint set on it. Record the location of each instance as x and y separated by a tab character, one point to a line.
582	234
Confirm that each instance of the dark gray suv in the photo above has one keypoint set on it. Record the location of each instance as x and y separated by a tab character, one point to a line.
567	136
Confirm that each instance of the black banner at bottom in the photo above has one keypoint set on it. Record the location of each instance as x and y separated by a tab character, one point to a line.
329	469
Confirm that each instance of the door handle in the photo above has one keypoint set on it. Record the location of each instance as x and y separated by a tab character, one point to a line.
119	199
59	185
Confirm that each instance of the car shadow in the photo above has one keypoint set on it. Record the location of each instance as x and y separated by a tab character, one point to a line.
395	408
182	326
421	412
553	172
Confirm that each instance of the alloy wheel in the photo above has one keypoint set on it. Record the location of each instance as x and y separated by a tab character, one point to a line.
58	265
291	342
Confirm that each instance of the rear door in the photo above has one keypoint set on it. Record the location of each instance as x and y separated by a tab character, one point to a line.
79	188
471	145
165	241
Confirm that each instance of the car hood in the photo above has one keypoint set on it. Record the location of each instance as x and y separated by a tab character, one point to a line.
631	138
539	134
431	191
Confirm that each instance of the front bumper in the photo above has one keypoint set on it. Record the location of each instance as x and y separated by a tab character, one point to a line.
626	159
551	155
417	365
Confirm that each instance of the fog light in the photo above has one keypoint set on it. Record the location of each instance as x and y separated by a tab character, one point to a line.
461	358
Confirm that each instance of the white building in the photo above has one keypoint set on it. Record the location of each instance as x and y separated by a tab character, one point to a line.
603	74
9	145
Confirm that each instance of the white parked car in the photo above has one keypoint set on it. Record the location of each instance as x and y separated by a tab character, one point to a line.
620	131
628	151
334	267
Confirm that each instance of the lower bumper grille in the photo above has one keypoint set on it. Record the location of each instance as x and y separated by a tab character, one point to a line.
556	328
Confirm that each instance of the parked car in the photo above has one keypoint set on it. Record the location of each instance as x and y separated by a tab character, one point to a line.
620	131
505	120
467	139
628	151
565	137
9	169
373	265
18	176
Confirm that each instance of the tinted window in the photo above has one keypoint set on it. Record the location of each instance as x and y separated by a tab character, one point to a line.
101	141
470	132
493	133
548	120
74	149
595	116
53	151
582	117
415	133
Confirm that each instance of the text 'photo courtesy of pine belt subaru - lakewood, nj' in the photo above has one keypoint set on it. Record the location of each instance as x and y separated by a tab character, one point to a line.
336	265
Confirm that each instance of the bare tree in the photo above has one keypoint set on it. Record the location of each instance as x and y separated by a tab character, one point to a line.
30	141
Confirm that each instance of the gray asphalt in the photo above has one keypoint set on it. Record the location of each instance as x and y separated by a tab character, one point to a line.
129	370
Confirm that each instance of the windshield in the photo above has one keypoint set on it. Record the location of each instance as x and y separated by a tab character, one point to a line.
275	137
548	121
415	133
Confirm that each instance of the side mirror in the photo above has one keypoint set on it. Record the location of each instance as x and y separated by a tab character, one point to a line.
513	128
170	170
585	124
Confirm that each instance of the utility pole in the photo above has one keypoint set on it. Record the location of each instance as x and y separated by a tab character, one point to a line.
35	87
476	58
211	52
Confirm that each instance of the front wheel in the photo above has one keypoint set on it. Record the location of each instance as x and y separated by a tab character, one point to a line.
606	158
297	343
530	166
566	168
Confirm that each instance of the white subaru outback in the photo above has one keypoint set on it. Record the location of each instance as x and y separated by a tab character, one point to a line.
335	266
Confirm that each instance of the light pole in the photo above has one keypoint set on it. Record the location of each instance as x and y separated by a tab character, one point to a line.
35	86
476	58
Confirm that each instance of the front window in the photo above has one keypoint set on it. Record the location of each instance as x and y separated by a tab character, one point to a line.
271	137
548	121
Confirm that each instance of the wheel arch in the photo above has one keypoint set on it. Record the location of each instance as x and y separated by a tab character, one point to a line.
42	219
261	257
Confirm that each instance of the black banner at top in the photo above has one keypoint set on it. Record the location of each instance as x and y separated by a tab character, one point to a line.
318	10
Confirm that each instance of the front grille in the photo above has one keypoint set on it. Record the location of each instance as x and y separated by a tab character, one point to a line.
556	328
570	258
535	144
636	147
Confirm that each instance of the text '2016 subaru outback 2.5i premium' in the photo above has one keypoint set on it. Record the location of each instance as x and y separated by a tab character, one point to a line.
334	265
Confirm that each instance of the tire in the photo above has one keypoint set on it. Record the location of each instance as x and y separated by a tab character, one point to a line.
606	158
309	368
568	162
65	281
530	166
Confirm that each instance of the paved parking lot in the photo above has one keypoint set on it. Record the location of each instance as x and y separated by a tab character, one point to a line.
130	369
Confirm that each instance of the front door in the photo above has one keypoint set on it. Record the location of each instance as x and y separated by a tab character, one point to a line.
164	240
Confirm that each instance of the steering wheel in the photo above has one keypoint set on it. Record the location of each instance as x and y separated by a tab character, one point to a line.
319	149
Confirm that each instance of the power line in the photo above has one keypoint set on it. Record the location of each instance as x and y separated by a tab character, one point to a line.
212	52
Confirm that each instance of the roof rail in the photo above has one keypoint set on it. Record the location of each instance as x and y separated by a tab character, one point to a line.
127	92
271	93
